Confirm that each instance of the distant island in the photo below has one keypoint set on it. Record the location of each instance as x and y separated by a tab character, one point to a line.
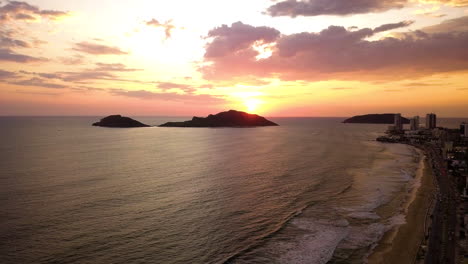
231	118
375	119
119	121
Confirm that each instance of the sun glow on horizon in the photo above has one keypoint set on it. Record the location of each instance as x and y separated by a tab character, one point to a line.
252	104
249	99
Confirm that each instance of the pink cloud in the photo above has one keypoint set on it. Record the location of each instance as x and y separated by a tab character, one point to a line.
336	53
237	37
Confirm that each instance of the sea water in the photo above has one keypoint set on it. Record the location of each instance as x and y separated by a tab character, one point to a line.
309	191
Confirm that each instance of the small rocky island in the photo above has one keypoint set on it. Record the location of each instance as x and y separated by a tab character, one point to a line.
231	118
119	121
375	119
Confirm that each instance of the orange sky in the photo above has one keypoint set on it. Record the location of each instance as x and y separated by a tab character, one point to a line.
281	58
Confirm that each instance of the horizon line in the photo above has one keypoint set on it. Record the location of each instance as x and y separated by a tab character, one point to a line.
193	115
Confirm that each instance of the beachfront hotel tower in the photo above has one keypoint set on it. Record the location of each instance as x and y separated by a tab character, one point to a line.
398	122
414	123
431	121
464	129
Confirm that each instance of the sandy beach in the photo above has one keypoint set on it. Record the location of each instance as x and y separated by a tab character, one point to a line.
401	244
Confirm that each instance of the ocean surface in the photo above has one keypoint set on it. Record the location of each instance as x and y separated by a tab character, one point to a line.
312	190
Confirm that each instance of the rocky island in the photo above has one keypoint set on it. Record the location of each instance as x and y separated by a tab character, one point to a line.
231	118
375	119
119	121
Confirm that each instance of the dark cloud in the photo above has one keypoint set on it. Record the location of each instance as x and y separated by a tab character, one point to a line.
42	75
7	75
38	93
74	76
102	71
335	36
167	26
9	55
238	36
458	3
53	13
295	8
97	49
193	98
7	41
432	14
413	84
16	10
82	88
387	27
74	60
117	67
49	75
171	85
85	75
337	53
187	88
451	25
38	82
24	17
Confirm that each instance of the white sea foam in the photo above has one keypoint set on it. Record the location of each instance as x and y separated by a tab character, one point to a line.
318	243
363	235
406	176
364	215
398	219
380	182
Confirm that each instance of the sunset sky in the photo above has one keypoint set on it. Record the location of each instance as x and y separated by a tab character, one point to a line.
275	58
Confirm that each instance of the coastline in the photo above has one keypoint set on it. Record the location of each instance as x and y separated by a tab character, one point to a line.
401	244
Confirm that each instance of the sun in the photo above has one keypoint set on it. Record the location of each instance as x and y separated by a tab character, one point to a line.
252	104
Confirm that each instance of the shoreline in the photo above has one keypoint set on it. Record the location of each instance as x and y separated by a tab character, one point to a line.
401	244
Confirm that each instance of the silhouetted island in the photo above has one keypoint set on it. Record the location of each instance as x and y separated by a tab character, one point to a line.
231	118
119	121
375	119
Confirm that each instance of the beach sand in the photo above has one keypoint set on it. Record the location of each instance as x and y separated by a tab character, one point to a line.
401	244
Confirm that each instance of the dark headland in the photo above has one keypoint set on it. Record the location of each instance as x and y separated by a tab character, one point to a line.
119	121
375	119
231	118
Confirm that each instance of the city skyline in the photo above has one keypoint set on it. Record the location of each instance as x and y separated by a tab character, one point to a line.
184	58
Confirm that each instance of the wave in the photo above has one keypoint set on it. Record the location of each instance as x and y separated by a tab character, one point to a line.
261	240
319	242
294	219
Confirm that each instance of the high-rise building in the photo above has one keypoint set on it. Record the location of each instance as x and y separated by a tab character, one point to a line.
431	121
398	122
464	129
414	123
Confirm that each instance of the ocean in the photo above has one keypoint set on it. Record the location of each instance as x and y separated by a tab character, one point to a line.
312	190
